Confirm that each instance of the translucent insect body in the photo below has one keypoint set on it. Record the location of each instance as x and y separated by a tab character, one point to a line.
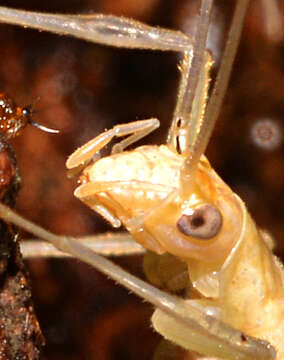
171	201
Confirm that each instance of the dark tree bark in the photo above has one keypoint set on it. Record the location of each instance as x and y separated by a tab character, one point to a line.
20	334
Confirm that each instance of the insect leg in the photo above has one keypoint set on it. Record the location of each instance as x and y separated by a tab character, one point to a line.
108	244
103	29
138	129
192	94
219	90
201	326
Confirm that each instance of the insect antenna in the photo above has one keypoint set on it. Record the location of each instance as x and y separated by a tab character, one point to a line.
218	93
43	128
29	111
191	71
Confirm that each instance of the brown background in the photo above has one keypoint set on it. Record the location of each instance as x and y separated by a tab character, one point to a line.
85	88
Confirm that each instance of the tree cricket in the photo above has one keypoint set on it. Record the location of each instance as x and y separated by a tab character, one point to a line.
171	201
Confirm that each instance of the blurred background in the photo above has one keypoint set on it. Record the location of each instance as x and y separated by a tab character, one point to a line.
85	88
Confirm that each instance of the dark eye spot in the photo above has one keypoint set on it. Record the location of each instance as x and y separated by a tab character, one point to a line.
204	223
197	221
26	111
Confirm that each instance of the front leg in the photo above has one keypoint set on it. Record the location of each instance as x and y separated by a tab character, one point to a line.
136	130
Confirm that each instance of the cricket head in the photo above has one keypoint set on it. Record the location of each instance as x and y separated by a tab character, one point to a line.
203	225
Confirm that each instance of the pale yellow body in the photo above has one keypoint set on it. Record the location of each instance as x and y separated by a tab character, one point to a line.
251	289
171	200
235	272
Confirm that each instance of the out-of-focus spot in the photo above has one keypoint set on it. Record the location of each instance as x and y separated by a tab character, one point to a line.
266	134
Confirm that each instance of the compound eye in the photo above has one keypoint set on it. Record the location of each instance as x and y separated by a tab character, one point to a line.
204	223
